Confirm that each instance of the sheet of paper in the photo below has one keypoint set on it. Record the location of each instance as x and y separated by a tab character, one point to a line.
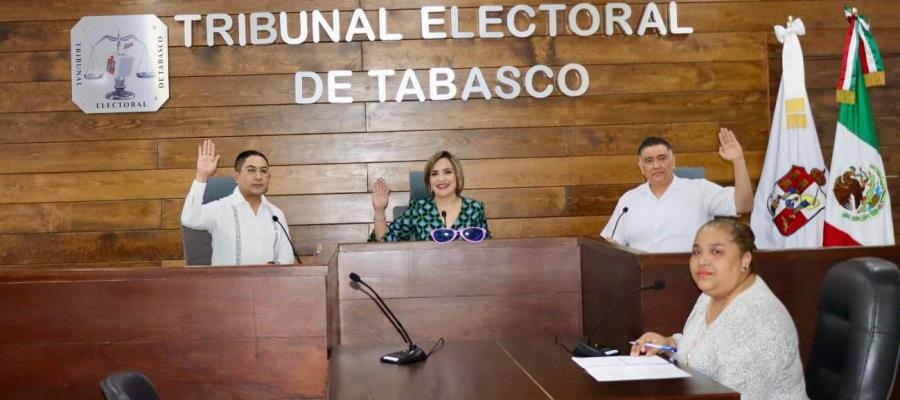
627	368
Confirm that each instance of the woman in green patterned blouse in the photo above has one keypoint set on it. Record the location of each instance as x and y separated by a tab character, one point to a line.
444	180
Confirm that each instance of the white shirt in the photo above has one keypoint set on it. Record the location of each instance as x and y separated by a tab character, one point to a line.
668	224
239	237
751	346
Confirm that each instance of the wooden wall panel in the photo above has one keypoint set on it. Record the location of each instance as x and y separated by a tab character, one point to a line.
375	147
727	16
684	137
568	171
592	110
86	247
883	101
475	3
544	167
308	237
820	71
171	183
562	50
888	128
824	43
724	17
82	216
198	61
78	156
219	91
357	208
75	126
547	227
27	10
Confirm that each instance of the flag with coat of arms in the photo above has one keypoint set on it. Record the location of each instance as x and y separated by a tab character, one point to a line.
858	211
790	198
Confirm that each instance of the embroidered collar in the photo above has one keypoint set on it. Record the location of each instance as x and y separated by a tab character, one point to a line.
236	198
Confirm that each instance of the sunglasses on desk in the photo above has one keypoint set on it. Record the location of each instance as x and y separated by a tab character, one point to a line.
472	234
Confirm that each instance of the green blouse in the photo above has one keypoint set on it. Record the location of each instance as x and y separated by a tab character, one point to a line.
423	216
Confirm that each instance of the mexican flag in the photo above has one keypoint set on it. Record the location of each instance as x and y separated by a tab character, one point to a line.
858	211
788	210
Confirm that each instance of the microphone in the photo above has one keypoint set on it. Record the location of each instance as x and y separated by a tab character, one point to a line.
584	348
411	355
616	226
296	256
444	218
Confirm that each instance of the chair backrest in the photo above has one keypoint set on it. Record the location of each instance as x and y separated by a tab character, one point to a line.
857	340
417	190
128	385
198	243
690	172
218	187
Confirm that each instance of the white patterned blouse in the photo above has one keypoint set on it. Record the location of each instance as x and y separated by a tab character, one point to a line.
751	347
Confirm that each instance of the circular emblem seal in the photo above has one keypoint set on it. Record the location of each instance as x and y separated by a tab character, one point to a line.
861	192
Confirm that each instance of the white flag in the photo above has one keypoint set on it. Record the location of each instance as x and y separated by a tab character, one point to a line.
789	203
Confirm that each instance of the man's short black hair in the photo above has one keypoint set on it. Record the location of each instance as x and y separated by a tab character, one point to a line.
653	141
239	161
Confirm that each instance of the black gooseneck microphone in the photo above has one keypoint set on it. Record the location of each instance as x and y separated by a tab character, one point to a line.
293	250
584	348
411	355
616	226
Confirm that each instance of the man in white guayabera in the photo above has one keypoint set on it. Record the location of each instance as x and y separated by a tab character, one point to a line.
246	228
663	214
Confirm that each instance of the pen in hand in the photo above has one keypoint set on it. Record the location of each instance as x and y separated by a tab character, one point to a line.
662	347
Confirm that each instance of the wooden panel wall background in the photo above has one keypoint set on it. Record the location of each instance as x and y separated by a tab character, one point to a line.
108	189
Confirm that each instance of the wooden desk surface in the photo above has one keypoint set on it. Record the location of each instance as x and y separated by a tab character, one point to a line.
506	369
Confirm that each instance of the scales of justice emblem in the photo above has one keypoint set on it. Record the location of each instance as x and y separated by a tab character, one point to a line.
120	63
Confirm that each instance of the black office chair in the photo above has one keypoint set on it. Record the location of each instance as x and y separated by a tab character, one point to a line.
128	385
857	341
198	243
417	190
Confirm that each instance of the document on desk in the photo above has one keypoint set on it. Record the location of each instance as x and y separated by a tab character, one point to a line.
627	368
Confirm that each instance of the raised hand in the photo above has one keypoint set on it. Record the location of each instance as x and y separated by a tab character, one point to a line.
380	194
207	160
729	148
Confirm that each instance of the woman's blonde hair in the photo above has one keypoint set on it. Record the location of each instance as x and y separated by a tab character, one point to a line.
457	169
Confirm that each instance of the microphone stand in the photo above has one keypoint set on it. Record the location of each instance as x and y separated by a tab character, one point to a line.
584	348
288	236
616	226
413	353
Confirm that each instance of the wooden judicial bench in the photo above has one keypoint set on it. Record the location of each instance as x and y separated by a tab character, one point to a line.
198	333
266	332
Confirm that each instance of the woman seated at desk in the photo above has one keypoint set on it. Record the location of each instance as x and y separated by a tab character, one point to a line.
738	333
426	219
